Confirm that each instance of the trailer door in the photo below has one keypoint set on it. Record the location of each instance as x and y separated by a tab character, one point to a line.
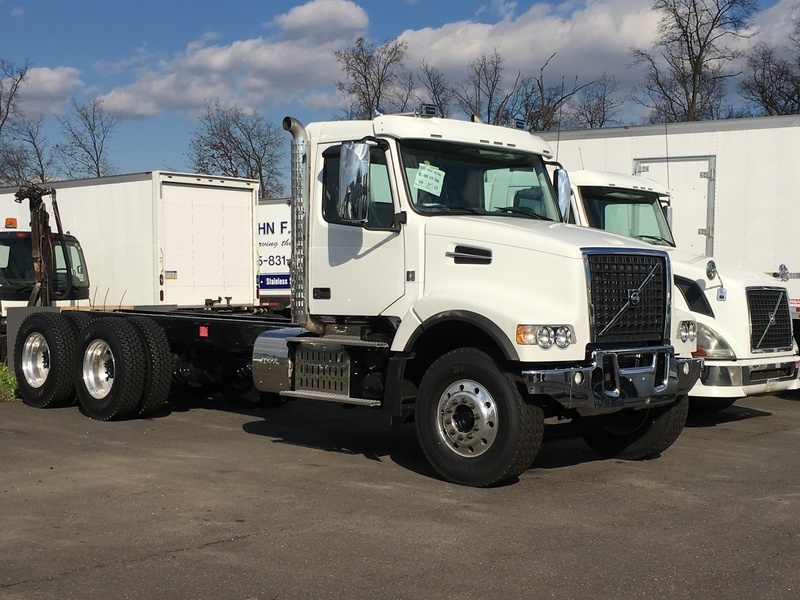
690	179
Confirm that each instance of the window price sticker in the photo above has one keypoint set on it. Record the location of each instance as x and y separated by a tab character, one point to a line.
429	179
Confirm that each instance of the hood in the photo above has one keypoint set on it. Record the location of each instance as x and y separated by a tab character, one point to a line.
693	266
530	234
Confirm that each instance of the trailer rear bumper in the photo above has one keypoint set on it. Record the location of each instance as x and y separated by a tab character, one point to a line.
629	378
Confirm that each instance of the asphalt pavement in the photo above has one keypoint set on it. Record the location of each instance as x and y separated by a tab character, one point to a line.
310	500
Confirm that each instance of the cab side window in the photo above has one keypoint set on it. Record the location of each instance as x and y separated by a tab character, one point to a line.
380	214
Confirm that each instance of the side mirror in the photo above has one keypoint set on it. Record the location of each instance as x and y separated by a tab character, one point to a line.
563	191
353	202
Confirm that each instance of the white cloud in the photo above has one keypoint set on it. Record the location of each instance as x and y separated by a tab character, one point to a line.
322	20
254	72
45	90
595	37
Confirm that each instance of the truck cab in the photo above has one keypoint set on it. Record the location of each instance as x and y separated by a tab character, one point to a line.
423	285
743	319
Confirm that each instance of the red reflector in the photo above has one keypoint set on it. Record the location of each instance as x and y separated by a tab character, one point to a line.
161	295
202	331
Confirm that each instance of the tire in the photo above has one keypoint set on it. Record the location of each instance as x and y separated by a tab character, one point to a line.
705	405
159	360
639	435
465	394
78	319
111	372
44	356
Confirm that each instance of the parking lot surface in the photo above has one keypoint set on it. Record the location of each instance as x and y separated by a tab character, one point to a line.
313	501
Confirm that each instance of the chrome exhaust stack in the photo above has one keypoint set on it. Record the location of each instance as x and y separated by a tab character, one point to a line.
299	215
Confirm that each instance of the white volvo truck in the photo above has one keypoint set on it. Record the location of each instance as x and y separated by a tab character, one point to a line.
421	290
743	318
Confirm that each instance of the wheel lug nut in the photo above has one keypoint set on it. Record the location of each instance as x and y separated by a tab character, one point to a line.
461	437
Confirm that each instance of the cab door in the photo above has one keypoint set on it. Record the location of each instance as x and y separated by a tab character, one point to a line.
355	269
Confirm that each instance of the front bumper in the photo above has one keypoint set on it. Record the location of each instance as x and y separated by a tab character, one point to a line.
747	377
617	379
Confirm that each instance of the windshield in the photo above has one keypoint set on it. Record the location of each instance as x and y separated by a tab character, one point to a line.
16	266
447	178
634	213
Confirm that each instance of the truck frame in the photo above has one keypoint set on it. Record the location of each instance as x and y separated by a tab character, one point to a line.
418	290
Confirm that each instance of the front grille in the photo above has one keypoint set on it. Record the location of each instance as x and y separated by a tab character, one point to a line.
628	295
770	320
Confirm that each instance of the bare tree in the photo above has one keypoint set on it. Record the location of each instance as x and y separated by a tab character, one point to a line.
232	142
541	105
27	156
87	129
439	92
772	83
11	77
687	68
483	93
376	79
596	105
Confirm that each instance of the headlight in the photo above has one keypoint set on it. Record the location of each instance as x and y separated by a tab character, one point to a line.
712	345
545	336
687	331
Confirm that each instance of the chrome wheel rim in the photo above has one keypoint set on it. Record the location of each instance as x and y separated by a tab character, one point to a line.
467	418
98	369
35	360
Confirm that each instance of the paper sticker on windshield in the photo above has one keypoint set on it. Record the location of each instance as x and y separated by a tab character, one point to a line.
429	179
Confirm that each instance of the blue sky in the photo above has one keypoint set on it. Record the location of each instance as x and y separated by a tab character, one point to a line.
157	63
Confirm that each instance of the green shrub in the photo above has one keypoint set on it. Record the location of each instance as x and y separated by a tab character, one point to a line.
8	385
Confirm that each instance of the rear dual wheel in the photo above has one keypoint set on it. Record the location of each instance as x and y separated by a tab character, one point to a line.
44	352
123	368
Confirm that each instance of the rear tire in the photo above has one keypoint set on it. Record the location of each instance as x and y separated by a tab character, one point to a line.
639	434
44	355
159	366
111	372
473	422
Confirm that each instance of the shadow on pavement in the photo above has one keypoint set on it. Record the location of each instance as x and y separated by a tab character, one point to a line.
729	415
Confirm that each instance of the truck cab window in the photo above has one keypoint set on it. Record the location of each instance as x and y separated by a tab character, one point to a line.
380	214
448	177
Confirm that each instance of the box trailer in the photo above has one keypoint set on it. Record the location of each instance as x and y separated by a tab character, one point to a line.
733	184
158	238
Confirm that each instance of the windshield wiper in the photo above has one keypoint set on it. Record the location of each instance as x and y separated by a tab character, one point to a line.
523	212
654	238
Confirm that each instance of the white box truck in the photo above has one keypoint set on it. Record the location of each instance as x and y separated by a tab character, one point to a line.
274	248
743	319
418	290
158	238
733	185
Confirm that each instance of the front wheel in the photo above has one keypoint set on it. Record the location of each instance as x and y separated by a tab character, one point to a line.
473	423
639	434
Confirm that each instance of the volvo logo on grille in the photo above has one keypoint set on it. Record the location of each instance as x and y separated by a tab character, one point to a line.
772	318
633	298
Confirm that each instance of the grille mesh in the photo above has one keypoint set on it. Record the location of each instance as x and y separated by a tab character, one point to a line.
770	321
617	280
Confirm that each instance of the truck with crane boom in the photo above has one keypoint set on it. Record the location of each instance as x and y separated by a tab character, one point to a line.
421	290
